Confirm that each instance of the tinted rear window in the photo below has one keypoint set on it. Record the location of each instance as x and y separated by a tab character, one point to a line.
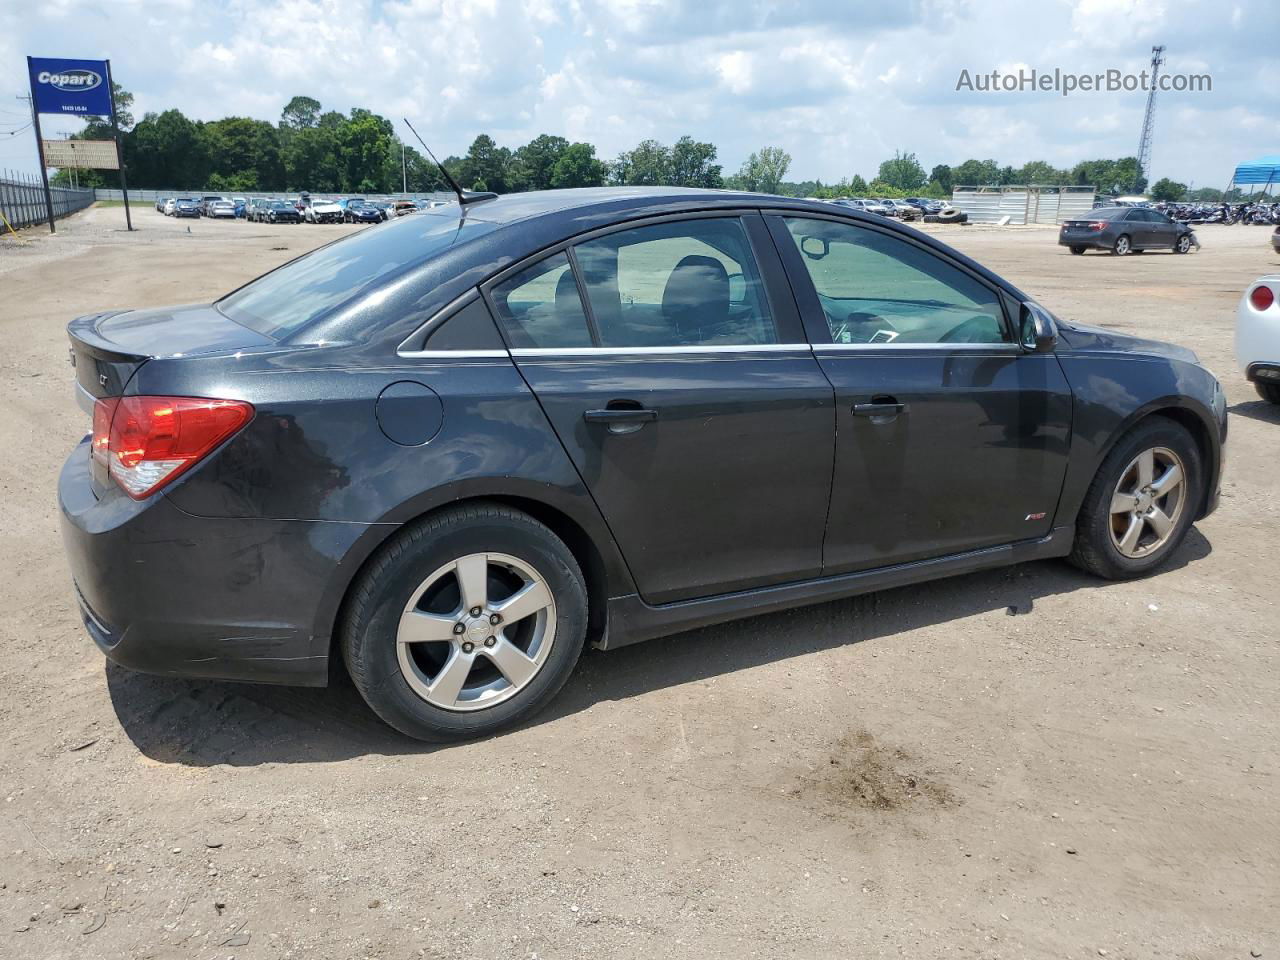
291	297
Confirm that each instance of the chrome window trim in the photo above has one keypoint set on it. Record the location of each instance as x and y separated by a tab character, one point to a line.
453	354
941	347
657	351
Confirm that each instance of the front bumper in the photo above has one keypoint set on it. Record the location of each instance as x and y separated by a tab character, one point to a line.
162	591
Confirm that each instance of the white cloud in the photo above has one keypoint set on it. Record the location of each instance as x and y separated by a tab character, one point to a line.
839	85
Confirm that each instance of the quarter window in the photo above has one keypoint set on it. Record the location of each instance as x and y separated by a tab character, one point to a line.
876	288
687	282
540	306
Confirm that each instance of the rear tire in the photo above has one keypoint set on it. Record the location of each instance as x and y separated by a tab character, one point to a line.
1102	545
1123	247
501	674
1078	251
1268	391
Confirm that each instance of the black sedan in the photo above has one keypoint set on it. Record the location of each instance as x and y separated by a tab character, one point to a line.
186	208
1125	230
278	211
453	451
361	211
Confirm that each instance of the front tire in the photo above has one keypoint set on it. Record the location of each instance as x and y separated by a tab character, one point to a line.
1183	245
1123	247
466	623
1268	391
1141	503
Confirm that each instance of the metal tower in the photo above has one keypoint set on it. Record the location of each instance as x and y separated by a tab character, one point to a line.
1149	121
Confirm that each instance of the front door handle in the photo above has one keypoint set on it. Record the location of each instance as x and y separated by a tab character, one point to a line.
885	409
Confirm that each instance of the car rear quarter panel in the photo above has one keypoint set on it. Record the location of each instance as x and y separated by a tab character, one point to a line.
315	451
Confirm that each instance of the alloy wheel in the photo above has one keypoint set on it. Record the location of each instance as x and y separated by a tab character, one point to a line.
1148	502
476	632
1122	246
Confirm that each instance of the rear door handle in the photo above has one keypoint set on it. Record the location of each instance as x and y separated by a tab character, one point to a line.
621	415
879	409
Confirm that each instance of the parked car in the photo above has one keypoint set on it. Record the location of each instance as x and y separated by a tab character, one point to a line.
256	210
865	206
1125	230
402	207
900	209
280	211
1275	240
205	202
160	202
320	210
186	207
169	206
240	204
1258	336
223	209
361	211
456	449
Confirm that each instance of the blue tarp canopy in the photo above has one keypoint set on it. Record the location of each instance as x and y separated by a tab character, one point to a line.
1262	170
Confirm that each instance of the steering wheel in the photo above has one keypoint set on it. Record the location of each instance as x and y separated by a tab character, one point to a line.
976	329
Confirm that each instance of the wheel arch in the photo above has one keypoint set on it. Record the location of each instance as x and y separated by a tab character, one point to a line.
1180	411
589	542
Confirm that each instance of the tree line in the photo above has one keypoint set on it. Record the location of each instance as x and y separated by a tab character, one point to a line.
326	151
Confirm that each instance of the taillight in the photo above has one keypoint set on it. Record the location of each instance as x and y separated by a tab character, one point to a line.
1262	297
1098	225
146	442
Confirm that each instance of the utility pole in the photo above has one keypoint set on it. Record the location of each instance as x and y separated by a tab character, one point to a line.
404	171
1149	120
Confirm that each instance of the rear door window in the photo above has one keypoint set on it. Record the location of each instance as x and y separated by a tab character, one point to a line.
681	283
540	307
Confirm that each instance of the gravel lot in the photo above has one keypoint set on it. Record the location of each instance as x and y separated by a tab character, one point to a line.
916	773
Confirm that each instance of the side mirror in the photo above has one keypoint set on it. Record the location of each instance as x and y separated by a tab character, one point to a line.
815	248
737	288
1037	333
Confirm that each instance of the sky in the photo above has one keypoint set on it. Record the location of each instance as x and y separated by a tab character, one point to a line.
839	84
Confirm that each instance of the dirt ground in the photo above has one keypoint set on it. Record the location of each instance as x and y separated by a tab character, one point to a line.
1019	763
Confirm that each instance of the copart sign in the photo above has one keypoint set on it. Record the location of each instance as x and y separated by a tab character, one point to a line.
70	86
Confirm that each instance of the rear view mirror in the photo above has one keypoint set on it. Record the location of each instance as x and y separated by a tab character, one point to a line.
1037	333
815	248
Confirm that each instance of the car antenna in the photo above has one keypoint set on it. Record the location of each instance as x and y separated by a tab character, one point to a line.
464	196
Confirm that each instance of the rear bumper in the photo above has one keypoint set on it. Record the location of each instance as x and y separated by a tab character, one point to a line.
1092	242
162	591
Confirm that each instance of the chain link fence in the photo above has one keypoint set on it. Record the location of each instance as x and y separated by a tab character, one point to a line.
22	200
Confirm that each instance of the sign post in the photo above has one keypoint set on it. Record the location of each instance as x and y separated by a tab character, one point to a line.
80	88
44	172
115	126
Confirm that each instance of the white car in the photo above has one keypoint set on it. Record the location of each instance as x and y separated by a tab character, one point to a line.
169	205
221	208
1258	336
319	210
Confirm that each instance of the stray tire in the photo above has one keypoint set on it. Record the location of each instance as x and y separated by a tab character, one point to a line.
1141	503
1123	247
1183	245
1268	391
467	622
1078	251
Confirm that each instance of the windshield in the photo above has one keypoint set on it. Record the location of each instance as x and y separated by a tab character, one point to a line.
301	292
